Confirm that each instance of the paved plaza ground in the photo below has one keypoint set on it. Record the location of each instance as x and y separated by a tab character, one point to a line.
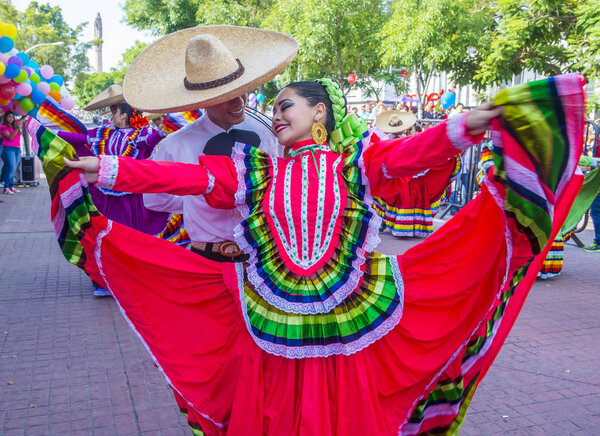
69	363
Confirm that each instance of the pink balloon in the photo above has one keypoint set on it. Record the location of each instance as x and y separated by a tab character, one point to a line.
44	87
3	58
19	110
67	103
24	89
4	80
47	72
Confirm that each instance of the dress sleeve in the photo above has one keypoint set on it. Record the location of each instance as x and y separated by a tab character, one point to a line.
78	141
402	158
215	177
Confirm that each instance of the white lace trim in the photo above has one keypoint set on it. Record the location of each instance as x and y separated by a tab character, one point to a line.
211	182
457	132
310	351
98	257
107	171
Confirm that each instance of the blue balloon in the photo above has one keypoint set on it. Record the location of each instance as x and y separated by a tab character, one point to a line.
448	99
16	61
38	97
6	44
11	71
32	64
19	97
57	78
24	57
260	97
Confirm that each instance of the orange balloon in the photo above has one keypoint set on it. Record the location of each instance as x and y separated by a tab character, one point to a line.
55	95
4	102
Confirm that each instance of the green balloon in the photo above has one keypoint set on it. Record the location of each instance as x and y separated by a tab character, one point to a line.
26	104
54	86
34	78
21	77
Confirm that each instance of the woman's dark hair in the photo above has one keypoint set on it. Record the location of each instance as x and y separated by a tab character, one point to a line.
316	93
124	108
5	122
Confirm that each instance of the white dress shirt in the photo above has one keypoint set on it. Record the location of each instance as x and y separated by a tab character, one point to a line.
203	222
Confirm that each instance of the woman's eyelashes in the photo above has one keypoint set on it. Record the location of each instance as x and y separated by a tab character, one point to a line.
286	104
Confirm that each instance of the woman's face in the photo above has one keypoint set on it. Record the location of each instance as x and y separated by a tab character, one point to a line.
293	117
10	118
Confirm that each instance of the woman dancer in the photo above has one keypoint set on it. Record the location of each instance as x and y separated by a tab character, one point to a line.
11	150
316	333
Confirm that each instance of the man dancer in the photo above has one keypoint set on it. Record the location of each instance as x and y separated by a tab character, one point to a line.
218	66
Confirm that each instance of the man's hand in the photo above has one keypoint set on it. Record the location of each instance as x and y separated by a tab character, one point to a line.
89	164
478	119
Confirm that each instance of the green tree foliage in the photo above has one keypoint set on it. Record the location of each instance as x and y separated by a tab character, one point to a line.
528	36
87	86
437	35
336	38
585	43
42	23
161	16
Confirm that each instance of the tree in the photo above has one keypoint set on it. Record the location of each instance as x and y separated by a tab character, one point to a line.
161	16
334	39
528	36
428	36
42	23
585	43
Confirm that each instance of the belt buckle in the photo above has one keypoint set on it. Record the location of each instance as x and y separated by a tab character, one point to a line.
228	249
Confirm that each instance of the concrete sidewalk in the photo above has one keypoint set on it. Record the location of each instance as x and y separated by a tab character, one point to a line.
69	363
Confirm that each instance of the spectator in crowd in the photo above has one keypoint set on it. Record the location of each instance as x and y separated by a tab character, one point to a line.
458	109
11	150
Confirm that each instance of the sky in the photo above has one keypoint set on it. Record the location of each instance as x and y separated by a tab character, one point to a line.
117	37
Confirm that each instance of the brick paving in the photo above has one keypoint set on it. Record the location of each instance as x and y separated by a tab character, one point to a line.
69	363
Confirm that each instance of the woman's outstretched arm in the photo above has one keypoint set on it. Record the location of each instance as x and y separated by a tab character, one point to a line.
216	178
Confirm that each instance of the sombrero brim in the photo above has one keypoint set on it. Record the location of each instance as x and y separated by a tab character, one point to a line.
155	80
383	121
104	99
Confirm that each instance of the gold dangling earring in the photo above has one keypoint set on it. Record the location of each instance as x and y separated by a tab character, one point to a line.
319	133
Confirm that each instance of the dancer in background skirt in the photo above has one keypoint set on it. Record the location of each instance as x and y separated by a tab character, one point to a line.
409	207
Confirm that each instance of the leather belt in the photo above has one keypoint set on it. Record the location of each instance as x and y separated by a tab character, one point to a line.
224	248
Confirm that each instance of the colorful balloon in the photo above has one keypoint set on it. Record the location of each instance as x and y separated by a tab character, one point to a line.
57	78
351	78
4	79
260	97
24	89
4	102
26	104
2	68
38	97
23	56
448	99
54	86
16	60
46	71
7	91
20	111
21	77
43	87
7	107
32	64
11	71
55	95
3	58
35	78
10	30
67	103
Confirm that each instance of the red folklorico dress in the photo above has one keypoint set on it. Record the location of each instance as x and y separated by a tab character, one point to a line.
317	334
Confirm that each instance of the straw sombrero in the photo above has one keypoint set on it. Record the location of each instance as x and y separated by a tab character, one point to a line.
111	95
203	66
395	121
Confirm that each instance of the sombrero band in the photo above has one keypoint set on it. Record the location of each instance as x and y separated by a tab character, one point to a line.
215	83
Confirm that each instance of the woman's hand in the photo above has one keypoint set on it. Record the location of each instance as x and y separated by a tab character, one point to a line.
89	164
478	119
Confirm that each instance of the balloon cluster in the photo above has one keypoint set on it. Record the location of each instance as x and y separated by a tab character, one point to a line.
24	85
254	99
